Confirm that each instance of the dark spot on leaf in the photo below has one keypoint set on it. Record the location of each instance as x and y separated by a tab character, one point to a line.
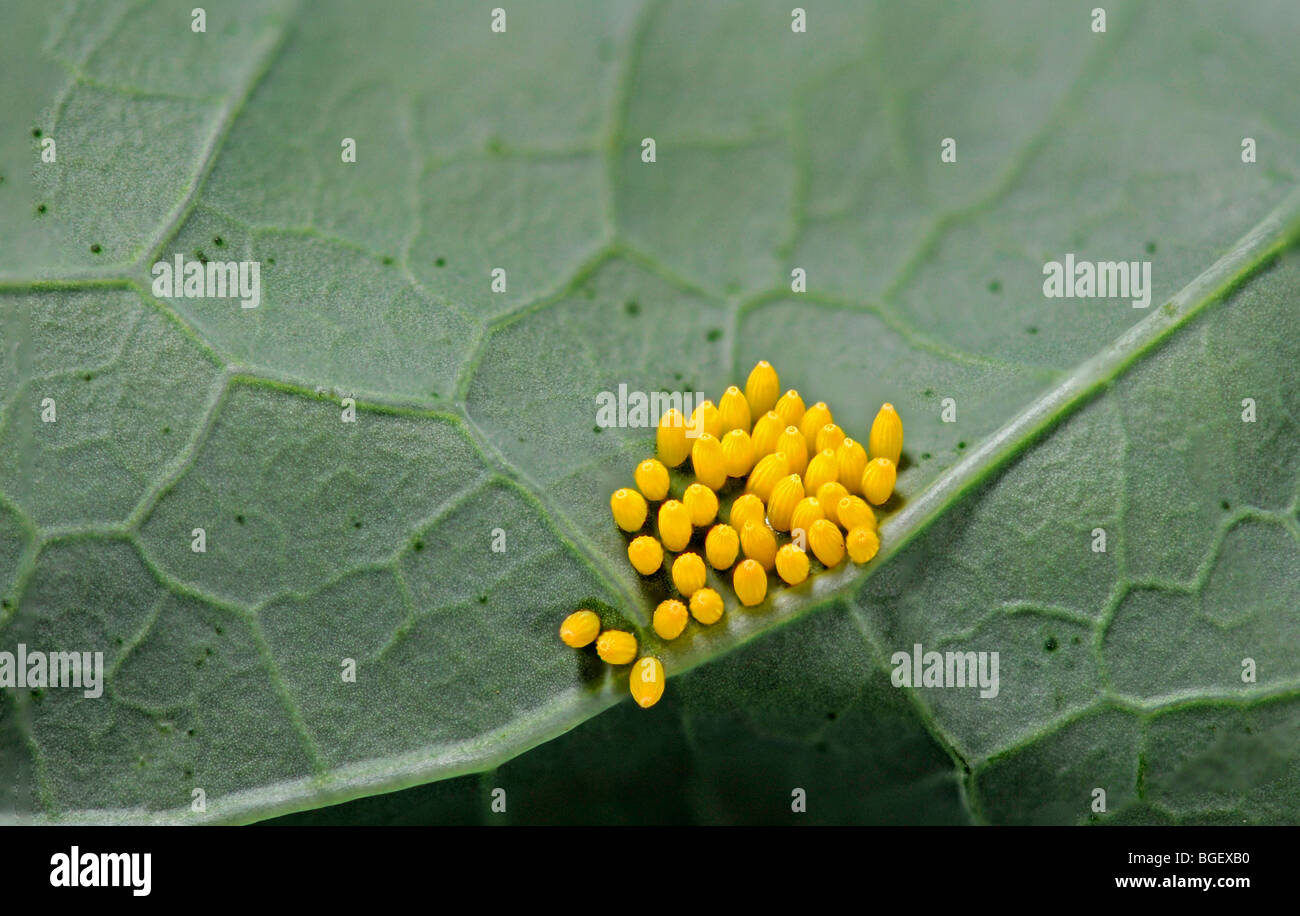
925	456
219	630
1075	640
482	599
356	524
995	286
677	376
830	716
1226	506
929	392
167	430
239	519
87	377
36	131
388	260
190	732
595	429
1031	330
713	335
495	146
1151	247
961	444
440	262
6	603
270	260
632	307
188	773
1051	644
95	249
418	545
218	241
40	208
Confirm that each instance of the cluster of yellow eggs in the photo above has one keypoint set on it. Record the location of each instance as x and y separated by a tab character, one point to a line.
804	481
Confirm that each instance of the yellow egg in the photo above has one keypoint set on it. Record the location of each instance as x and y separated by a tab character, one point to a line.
733	410
789	407
878	481
674	525
851	458
853	512
670	439
618	647
826	542
701	503
829	437
758	543
862	543
706	419
688	573
767	472
750	582
829	495
814	418
766	431
886	439
762	388
706	606
652	479
721	546
645	554
785	496
807	512
791	444
791	564
580	628
707	459
670	619
647	682
823	469
747	508
629	509
737	453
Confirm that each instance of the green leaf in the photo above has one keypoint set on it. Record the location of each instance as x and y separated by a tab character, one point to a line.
372	541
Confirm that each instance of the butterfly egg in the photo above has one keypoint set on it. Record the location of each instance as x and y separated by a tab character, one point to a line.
862	543
850	459
629	509
580	628
671	443
707	459
647	681
762	388
618	647
822	469
808	511
706	419
701	503
670	619
737	453
750	582
758	543
721	546
886	438
785	496
688	573
767	472
766	431
814	418
645	554
652	479
791	445
789	407
747	508
826	542
878	481
706	606
829	495
853	512
791	564
733	410
674	525
829	437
